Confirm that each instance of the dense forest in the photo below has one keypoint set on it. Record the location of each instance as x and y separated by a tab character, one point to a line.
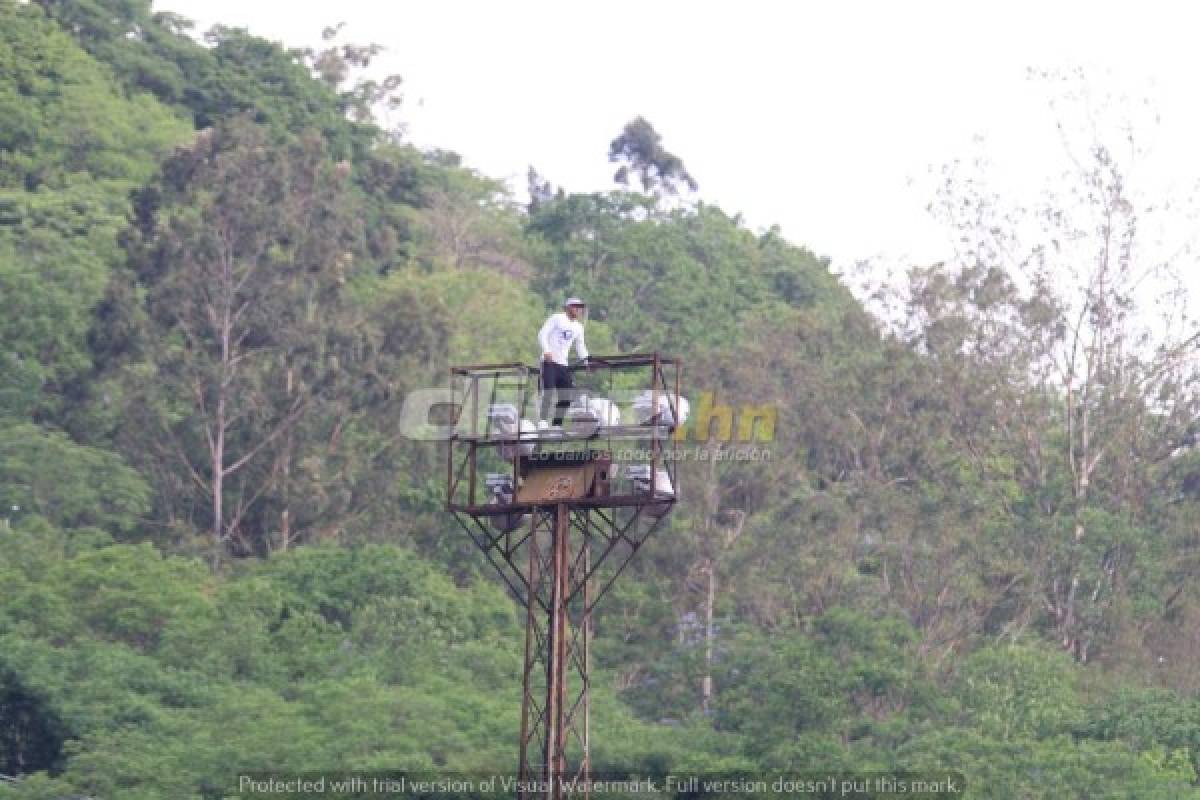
972	547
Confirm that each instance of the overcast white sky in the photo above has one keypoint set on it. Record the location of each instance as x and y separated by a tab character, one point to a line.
824	118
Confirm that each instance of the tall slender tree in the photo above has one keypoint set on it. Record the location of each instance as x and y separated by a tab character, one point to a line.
1058	333
241	251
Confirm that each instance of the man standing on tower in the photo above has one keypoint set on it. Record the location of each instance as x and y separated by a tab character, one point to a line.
557	335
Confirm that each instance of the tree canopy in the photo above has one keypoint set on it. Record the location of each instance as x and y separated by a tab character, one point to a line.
639	152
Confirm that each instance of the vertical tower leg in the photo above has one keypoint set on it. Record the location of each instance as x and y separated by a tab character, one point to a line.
556	664
532	715
555	707
586	670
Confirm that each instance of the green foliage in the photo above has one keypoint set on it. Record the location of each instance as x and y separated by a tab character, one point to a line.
238	262
1056	767
1020	691
800	697
71	485
31	737
467	297
63	114
53	265
922	510
75	144
152	54
780	688
170	681
1157	722
254	75
639	150
669	280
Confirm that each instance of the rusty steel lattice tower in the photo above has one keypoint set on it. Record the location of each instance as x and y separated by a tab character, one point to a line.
559	513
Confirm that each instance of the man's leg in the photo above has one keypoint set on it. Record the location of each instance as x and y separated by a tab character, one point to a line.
548	379
564	383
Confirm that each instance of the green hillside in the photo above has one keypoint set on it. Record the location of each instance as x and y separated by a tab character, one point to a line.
218	555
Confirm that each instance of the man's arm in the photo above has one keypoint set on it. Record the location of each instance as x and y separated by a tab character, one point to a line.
544	336
580	347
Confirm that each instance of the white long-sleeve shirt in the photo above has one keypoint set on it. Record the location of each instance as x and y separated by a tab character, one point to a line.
557	336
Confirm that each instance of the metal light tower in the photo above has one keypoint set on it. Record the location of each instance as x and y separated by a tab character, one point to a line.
559	513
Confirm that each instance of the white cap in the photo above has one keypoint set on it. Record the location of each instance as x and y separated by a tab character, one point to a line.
574	301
